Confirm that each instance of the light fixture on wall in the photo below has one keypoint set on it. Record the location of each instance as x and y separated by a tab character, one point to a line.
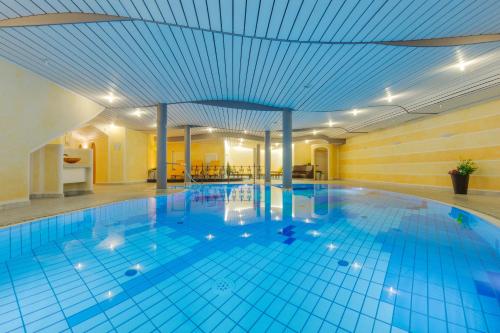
85	145
306	141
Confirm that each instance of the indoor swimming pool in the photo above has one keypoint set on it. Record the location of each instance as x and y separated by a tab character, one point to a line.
236	258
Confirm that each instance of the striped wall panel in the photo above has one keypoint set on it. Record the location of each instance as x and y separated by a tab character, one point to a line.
421	152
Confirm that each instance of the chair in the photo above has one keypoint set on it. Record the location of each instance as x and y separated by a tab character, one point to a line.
213	169
278	173
177	170
196	169
303	171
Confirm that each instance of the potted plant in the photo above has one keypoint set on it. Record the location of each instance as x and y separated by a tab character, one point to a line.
460	175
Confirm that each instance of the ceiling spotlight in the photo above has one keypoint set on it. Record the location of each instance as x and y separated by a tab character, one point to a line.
245	131
110	97
307	141
355	112
241	140
315	132
138	113
331	123
112	126
461	65
153	125
210	130
389	95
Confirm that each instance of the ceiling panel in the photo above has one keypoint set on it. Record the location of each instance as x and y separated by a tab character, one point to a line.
277	53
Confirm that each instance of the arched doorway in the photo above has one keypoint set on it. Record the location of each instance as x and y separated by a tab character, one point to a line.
321	161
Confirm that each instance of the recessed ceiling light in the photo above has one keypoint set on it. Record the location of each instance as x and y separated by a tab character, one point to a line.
331	123
389	96
210	129
307	141
315	132
138	113
110	97
245	131
461	65
355	112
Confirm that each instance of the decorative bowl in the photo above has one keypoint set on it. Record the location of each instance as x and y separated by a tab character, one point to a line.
72	160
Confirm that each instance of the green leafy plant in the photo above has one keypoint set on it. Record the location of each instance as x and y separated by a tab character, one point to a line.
464	168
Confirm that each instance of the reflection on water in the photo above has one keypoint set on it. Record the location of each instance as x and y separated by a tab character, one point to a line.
248	204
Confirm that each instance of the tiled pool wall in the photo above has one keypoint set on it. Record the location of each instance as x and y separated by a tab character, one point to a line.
22	239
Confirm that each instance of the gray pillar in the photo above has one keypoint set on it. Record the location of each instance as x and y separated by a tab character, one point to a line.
287	149
257	161
187	154
161	146
267	157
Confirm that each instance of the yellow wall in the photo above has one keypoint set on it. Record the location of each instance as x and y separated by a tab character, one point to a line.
421	152
136	155
33	111
46	170
116	157
121	156
198	150
301	153
101	158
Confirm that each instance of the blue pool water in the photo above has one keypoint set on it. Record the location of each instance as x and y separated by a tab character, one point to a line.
248	258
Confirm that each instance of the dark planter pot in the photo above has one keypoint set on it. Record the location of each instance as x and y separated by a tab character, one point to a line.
460	183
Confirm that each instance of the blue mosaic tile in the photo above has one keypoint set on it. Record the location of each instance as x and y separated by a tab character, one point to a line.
416	267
